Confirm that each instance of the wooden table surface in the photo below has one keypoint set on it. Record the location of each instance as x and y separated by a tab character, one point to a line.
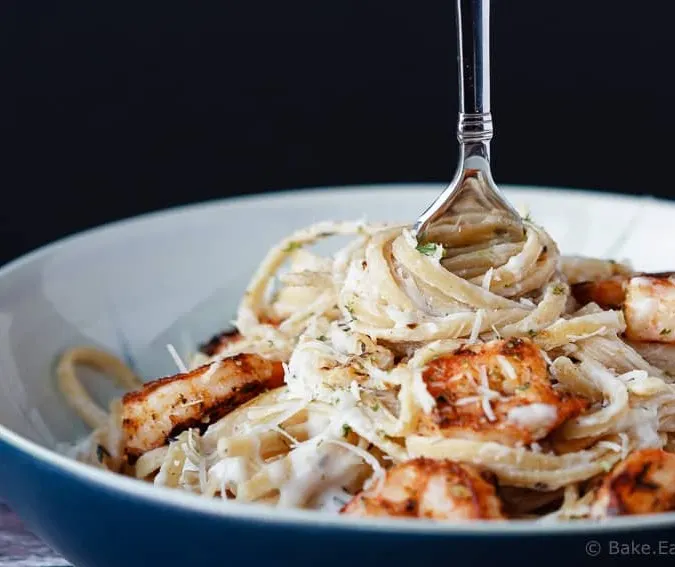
20	548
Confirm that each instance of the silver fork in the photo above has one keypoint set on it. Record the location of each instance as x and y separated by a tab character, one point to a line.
472	188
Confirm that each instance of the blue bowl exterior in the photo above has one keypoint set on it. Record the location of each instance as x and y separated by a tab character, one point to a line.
96	526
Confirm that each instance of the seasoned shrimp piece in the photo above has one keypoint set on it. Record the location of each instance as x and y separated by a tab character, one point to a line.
169	405
642	484
425	488
650	308
608	294
497	391
647	300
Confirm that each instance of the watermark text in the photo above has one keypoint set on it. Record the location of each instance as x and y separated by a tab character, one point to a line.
629	547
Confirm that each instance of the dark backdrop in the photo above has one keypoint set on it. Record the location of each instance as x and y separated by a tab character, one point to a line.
109	109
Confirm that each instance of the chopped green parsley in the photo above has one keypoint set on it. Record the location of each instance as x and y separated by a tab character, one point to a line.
430	249
558	289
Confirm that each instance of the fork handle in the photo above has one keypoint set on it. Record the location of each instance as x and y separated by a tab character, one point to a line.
474	128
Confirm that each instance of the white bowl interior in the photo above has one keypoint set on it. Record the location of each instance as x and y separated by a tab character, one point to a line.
177	276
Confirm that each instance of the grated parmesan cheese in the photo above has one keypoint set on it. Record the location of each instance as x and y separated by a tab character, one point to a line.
610	445
485	393
210	372
506	367
354	389
419	389
467	400
487	279
182	368
625	444
477	324
545	356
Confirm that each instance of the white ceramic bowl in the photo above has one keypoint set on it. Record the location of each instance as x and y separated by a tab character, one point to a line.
176	277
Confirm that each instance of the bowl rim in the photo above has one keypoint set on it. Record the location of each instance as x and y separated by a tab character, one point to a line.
308	519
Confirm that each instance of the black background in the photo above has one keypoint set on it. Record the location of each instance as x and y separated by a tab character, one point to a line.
109	109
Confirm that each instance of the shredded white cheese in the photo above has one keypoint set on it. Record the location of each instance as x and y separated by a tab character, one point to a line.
545	356
182	368
506	367
467	400
354	389
487	279
210	372
422	395
610	445
477	324
486	393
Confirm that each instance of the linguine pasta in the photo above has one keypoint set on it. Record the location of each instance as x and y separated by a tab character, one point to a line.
356	334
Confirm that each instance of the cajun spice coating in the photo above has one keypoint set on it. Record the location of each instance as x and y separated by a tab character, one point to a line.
497	391
642	484
427	488
169	405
